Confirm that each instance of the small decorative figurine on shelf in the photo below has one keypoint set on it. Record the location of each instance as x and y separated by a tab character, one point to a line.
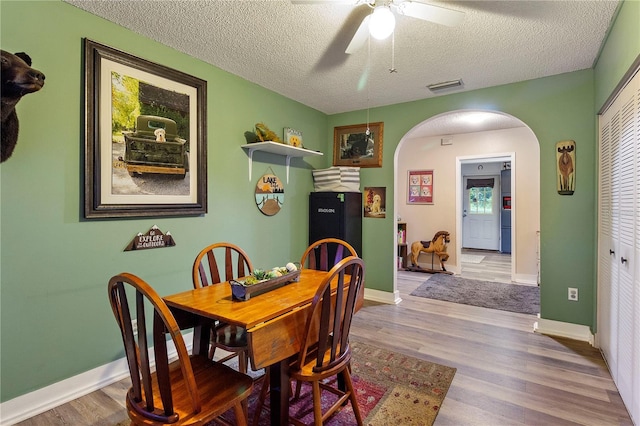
265	134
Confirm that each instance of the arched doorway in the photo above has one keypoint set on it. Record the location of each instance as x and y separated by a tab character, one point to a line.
442	144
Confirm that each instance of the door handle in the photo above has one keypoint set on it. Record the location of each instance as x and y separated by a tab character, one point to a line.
623	260
611	251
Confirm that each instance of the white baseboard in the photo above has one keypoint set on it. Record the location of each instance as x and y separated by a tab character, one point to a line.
392	298
564	329
44	399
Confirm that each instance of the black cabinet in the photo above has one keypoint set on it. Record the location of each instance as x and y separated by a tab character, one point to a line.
336	215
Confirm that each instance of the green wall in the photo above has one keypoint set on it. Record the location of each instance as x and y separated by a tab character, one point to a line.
555	108
622	47
55	318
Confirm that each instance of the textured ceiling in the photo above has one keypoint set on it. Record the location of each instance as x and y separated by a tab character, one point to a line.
297	50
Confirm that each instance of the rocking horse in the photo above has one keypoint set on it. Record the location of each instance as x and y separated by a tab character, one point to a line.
437	247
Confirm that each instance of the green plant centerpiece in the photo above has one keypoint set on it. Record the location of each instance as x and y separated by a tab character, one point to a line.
263	280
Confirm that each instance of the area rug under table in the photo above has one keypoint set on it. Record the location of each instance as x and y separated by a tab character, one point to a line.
523	299
391	388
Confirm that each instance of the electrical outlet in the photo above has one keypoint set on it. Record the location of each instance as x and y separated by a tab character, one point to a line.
134	325
573	294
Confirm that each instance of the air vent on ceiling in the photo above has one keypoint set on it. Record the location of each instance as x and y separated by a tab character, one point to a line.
445	85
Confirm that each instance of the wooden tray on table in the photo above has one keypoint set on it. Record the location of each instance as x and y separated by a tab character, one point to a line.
243	292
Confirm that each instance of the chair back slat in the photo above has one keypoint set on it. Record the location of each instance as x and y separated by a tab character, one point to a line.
214	271
329	321
123	318
143	352
207	269
162	359
141	398
317	255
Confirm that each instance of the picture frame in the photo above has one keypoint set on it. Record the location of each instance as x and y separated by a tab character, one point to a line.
293	137
353	147
145	149
566	167
374	202
420	187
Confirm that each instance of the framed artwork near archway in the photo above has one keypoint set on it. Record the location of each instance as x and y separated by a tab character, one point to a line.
358	145
375	202
420	187
566	167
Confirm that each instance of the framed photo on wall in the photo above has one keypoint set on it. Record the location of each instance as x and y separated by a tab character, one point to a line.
420	187
145	145
375	201
353	146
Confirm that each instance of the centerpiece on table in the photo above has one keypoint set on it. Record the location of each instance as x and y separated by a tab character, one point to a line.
261	281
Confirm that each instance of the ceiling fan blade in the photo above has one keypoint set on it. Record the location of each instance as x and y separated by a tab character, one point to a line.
360	37
324	1
429	12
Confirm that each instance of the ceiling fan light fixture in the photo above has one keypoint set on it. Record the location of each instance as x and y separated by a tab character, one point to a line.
445	85
382	22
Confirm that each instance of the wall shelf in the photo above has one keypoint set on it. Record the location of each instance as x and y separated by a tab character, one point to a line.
278	149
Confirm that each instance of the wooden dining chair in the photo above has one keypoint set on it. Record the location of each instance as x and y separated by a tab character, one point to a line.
323	254
208	267
325	350
192	390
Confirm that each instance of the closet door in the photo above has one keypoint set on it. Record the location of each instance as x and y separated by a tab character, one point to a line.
607	239
619	242
626	237
634	266
607	313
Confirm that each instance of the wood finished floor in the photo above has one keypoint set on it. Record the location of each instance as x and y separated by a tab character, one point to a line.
494	266
506	374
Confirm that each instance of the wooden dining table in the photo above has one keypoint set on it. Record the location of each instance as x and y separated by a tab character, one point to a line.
275	322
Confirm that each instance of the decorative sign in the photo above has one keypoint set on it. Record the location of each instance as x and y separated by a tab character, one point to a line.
566	174
269	194
292	137
420	187
154	238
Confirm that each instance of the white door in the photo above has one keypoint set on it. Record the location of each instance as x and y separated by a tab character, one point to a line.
618	242
481	216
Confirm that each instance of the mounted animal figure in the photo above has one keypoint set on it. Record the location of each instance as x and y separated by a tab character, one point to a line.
18	79
565	166
437	245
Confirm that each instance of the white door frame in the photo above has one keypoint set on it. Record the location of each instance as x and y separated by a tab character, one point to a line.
507	156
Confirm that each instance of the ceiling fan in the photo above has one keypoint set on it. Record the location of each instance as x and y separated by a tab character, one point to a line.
380	24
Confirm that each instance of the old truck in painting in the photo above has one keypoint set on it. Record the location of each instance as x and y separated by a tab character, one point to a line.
155	147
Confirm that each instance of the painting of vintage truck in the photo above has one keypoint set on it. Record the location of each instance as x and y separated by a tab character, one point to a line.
155	147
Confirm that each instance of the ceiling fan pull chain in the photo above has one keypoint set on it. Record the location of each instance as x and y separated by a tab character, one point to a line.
393	53
368	132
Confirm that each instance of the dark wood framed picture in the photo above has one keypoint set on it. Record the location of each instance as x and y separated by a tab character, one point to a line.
420	187
354	146
145	145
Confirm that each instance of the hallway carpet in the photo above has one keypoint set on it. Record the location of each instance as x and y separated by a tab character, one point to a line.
523	299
